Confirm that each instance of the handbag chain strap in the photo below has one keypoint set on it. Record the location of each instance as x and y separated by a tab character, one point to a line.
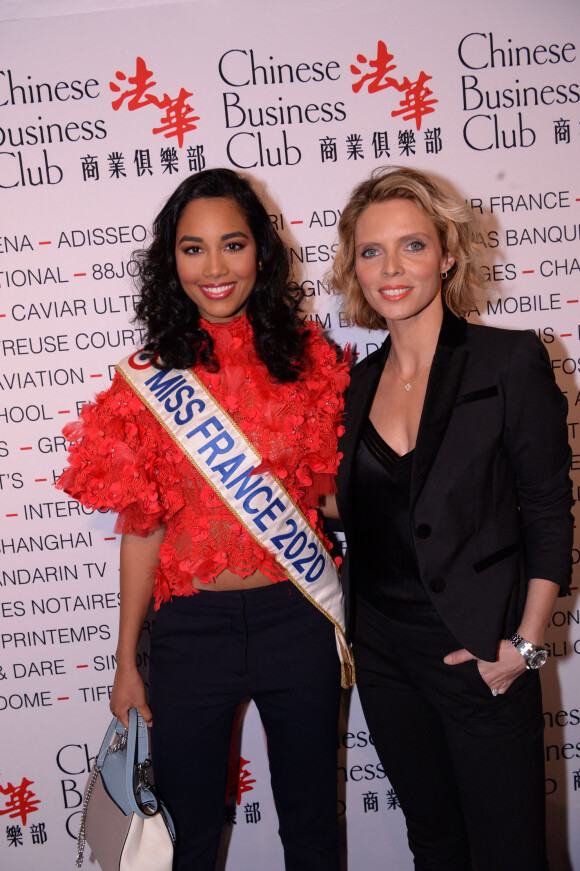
119	744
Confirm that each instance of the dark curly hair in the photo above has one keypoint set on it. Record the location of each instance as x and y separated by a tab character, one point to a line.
171	319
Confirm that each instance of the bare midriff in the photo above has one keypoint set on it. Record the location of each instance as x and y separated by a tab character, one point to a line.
229	581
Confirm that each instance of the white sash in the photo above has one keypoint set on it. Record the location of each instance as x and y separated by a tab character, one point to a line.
222	454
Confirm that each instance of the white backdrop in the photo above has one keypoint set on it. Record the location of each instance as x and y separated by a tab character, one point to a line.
104	108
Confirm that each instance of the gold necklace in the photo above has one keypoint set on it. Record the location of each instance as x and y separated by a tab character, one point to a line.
407	385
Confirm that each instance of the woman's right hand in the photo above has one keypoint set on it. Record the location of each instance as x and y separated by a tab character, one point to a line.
129	692
139	559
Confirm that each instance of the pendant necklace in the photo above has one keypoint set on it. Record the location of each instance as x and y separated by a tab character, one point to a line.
407	385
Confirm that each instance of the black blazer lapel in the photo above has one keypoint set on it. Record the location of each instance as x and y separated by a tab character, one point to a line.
442	387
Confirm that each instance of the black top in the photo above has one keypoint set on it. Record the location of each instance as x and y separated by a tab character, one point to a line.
382	487
490	492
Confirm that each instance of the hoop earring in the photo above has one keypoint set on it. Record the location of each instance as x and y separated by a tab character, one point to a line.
443	275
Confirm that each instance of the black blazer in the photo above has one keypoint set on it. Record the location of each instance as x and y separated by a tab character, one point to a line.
490	490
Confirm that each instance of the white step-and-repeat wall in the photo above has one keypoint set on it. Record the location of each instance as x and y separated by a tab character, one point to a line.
104	109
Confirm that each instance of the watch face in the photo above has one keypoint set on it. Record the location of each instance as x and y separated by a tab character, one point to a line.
537	658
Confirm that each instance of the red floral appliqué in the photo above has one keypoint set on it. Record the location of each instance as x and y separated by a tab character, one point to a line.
120	458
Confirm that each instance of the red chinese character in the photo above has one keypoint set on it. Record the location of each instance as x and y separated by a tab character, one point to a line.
244	780
138	96
415	103
178	118
21	801
378	80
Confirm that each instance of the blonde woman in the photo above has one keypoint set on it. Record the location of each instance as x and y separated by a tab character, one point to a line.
455	499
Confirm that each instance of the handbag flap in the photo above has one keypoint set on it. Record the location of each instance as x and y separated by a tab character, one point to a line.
106	828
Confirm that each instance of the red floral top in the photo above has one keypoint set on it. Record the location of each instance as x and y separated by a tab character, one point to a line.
122	459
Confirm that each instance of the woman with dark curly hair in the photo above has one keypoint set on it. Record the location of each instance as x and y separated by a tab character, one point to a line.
214	444
172	317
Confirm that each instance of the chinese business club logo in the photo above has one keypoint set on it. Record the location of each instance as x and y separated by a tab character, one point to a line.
417	99
18	801
177	115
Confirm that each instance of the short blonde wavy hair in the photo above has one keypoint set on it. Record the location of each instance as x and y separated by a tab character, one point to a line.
455	225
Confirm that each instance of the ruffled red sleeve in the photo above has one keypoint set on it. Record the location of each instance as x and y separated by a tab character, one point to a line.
327	379
117	457
310	455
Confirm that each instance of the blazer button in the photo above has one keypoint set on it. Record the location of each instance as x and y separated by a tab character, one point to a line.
423	530
438	585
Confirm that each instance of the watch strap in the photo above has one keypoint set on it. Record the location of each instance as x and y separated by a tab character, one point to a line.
527	649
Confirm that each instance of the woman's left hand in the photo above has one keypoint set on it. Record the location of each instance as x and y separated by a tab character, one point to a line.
498	675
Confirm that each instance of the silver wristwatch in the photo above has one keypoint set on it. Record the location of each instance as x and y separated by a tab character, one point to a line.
534	655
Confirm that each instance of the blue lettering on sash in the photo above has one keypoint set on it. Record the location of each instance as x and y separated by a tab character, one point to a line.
246	483
248	500
269	511
183	418
161	388
175	402
316	569
219	444
204	427
228	467
299	548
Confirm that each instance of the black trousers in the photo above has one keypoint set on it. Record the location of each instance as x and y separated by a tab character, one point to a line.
208	652
467	768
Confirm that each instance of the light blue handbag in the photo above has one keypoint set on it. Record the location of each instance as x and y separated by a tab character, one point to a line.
123	820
